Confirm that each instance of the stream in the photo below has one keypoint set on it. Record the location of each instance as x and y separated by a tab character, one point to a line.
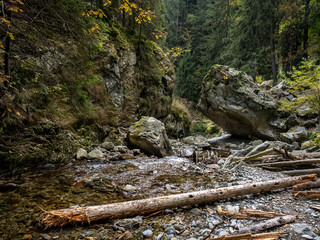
84	183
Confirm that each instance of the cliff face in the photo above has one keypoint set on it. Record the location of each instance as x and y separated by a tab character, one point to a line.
69	87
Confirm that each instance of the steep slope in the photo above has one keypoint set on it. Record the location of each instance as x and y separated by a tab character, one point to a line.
75	80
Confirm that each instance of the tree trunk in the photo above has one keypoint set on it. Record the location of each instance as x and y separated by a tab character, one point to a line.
7	50
273	57
143	206
306	28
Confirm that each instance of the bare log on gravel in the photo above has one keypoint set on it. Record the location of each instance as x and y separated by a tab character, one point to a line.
249	236
307	185
306	194
302	172
143	206
247	213
274	222
289	163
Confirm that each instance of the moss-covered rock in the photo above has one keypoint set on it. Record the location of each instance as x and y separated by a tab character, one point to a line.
149	135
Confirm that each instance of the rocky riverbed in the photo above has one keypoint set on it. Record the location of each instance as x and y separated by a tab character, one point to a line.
23	199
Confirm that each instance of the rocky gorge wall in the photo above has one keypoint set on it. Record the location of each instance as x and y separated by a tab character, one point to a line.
70	92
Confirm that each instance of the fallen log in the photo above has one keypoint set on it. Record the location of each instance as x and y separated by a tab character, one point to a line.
250	236
307	185
315	207
289	163
131	208
306	194
247	213
302	172
278	221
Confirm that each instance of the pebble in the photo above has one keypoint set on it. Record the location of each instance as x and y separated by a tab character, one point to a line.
147	233
220	162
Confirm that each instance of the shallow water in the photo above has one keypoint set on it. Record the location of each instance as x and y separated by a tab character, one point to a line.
90	183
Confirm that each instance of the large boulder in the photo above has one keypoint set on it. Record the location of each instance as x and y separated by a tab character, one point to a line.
149	134
233	101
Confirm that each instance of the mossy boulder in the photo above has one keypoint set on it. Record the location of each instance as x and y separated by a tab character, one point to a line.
233	101
149	135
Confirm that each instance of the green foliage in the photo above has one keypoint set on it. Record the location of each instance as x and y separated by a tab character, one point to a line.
305	85
204	127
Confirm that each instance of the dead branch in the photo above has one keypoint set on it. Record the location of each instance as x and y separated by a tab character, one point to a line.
247	213
307	185
249	236
289	163
274	222
302	172
306	194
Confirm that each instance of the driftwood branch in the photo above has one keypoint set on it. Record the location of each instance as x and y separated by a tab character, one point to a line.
278	221
307	185
306	194
247	213
143	206
289	163
250	236
302	172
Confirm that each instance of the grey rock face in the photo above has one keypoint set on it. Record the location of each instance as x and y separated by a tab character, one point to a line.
233	101
149	135
296	134
142	92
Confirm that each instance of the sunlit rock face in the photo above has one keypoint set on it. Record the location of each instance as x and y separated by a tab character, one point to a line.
233	101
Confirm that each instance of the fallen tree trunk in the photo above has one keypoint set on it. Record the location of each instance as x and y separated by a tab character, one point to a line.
143	206
278	221
249	236
307	185
289	163
306	194
302	172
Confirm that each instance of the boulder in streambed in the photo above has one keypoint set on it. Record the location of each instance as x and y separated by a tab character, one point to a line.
81	154
149	135
233	101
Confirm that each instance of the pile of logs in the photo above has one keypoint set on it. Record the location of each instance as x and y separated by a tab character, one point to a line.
281	160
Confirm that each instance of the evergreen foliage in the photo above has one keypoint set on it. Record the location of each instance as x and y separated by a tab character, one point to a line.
263	38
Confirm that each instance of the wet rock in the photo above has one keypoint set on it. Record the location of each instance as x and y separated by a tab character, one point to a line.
233	101
129	188
295	134
169	229
198	141
130	223
186	152
122	149
221	162
147	233
81	154
107	145
150	136
94	154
